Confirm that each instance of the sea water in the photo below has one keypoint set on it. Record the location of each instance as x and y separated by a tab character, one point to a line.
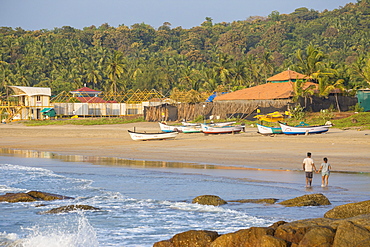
142	202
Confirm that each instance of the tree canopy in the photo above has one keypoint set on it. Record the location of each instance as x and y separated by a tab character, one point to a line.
231	55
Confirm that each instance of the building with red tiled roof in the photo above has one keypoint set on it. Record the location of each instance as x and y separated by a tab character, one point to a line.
288	75
90	100
87	95
268	91
85	92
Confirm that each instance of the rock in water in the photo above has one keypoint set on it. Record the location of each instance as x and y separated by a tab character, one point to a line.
349	210
66	209
17	197
307	200
47	196
264	200
31	196
209	200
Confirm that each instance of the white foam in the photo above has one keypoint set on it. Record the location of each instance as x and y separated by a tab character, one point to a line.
63	236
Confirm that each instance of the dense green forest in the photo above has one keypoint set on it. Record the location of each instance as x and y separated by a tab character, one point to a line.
331	46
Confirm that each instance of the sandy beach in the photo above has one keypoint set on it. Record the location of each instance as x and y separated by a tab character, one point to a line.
347	150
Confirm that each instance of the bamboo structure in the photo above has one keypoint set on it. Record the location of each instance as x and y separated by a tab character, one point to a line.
218	109
129	96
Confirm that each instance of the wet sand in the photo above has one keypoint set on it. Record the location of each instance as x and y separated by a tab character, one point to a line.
347	150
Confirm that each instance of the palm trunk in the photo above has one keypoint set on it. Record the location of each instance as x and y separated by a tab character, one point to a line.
337	101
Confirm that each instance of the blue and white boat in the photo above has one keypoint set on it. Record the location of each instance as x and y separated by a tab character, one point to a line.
304	130
266	130
179	128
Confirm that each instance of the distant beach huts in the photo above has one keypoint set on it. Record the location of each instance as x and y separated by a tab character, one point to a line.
31	102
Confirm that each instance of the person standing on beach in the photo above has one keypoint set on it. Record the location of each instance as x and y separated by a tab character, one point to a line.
308	167
325	172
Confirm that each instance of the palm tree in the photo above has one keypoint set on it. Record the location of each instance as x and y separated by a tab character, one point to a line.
327	85
362	67
311	62
93	75
301	91
114	69
223	68
266	64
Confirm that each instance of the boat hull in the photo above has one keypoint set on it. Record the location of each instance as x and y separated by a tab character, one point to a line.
183	129
265	130
291	130
207	129
137	136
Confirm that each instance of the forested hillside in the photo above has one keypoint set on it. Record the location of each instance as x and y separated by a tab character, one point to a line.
332	46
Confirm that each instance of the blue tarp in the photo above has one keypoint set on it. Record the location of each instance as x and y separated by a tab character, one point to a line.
211	98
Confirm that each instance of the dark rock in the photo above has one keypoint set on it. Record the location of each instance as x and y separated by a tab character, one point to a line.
349	210
294	232
209	200
265	200
318	236
307	200
361	220
164	243
268	241
349	234
31	196
17	197
47	196
189	239
246	237
277	224
66	209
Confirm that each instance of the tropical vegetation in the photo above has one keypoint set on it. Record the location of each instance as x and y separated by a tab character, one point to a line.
331	46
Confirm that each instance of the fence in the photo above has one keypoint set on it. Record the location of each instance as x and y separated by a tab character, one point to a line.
100	109
218	109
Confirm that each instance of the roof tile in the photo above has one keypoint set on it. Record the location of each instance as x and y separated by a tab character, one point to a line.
283	90
287	76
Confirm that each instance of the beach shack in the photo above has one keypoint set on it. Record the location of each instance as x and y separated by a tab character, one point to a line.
278	93
363	96
275	95
31	101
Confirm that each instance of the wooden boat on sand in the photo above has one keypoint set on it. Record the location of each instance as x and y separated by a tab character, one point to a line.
303	130
143	136
266	130
178	128
209	129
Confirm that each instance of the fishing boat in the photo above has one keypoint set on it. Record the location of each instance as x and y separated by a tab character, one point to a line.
178	128
219	124
266	130
304	129
209	129
190	124
222	124
143	136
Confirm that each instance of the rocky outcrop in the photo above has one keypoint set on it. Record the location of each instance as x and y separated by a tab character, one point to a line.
66	209
31	196
254	236
209	200
189	239
349	210
264	200
354	231
307	200
349	234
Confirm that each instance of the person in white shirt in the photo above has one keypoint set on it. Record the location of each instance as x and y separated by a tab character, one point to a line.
308	167
325	172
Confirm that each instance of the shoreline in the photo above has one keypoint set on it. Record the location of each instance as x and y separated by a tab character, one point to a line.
347	150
